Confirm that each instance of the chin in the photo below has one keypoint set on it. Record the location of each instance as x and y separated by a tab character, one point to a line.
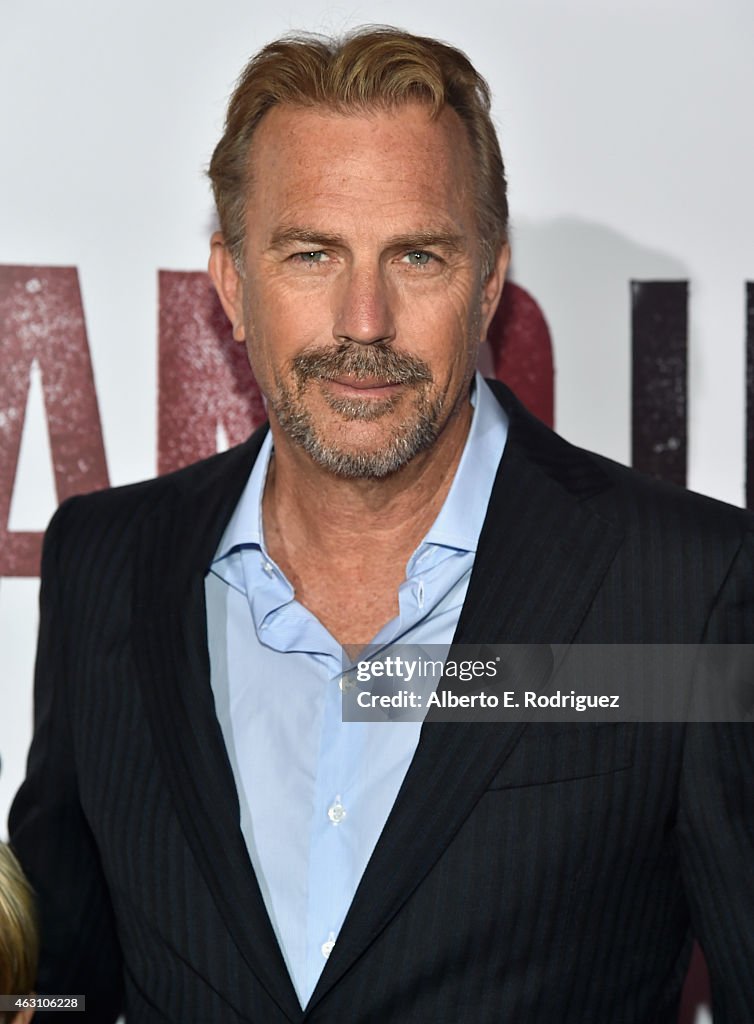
332	440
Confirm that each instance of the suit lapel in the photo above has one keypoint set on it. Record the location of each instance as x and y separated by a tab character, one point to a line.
541	557
174	552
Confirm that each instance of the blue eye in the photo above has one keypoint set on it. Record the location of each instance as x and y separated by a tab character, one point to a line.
310	258
417	258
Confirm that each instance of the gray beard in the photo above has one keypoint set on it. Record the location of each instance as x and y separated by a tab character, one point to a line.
414	435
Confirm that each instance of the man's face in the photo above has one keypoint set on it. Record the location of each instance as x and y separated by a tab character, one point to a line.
360	299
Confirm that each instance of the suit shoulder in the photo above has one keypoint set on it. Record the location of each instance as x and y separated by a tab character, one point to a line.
664	527
112	515
634	494
617	492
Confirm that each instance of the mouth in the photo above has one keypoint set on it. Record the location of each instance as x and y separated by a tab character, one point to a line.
362	387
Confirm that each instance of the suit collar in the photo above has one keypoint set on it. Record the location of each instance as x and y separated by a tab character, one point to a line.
542	534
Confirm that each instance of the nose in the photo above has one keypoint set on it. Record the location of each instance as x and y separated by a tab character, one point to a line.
363	307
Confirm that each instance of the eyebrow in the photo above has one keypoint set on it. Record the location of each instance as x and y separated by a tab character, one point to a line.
429	240
415	240
304	236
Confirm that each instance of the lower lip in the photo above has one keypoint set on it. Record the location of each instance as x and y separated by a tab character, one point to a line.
359	391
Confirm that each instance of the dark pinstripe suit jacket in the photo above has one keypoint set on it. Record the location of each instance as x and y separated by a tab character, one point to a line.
547	873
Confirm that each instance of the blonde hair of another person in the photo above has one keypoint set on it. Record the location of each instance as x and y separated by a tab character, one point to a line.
19	939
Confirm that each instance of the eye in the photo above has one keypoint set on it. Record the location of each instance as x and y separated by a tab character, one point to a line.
417	258
309	259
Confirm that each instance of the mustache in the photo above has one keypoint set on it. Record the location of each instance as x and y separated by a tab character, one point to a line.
356	360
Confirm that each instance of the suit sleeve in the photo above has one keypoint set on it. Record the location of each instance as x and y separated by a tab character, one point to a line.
79	952
716	818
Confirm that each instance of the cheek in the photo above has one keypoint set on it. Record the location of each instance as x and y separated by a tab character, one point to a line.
278	331
443	330
282	321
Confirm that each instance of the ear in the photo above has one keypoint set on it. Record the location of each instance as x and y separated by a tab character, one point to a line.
228	283
492	288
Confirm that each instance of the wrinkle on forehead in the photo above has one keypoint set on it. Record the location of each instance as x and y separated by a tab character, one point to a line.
384	158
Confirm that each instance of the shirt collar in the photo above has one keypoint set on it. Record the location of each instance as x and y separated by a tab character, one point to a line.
459	521
244	527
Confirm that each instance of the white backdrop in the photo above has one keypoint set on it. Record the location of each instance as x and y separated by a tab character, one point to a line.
626	131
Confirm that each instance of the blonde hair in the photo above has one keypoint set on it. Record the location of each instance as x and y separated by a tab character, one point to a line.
19	941
370	68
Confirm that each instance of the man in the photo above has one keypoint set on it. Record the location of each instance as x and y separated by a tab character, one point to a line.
209	840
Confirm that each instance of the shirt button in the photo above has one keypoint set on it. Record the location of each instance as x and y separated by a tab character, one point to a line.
268	568
337	812
326	947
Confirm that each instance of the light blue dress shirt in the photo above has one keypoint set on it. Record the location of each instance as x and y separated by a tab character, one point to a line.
314	791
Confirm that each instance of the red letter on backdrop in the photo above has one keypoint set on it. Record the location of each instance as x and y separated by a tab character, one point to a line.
204	377
519	339
41	317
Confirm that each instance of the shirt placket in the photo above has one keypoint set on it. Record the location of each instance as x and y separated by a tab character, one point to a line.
335	827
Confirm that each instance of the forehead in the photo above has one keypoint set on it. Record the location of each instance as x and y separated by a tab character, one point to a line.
388	162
